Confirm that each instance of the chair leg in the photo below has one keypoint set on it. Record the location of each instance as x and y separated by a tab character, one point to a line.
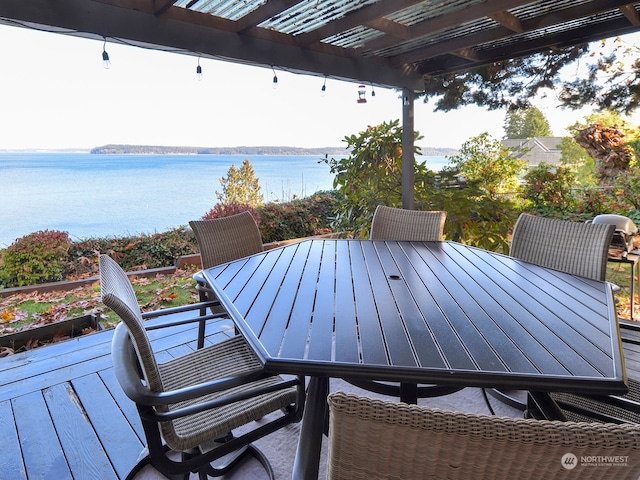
144	459
202	325
233	459
507	399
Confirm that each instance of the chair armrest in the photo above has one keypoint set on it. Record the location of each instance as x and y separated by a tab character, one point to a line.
180	309
125	364
219	402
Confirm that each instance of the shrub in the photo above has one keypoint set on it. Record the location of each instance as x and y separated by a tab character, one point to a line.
221	210
549	187
132	253
39	257
296	219
283	221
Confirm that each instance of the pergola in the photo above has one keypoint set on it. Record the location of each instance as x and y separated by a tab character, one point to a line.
389	43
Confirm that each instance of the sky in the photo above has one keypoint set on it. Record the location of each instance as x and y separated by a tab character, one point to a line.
57	95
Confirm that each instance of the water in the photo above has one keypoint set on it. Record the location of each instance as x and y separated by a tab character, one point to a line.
113	195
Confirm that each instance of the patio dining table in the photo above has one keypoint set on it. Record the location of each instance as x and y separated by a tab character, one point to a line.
419	313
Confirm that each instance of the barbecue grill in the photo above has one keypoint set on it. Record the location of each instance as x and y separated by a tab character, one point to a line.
624	233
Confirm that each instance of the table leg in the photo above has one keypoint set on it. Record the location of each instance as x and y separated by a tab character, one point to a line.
307	461
633	286
409	393
540	404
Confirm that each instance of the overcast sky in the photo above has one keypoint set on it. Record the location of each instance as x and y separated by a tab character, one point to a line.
57	94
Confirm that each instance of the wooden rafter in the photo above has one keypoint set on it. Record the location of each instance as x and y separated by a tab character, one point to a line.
508	20
500	33
370	13
443	22
399	54
631	13
578	36
263	12
161	6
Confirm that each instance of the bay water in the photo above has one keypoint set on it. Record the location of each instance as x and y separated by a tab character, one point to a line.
90	195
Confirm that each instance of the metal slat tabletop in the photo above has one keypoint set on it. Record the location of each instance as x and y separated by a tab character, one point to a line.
421	312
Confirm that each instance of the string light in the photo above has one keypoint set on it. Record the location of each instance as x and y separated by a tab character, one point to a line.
106	63
275	78
199	71
323	90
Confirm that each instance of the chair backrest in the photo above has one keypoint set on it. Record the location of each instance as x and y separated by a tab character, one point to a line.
390	440
225	239
118	294
577	248
407	225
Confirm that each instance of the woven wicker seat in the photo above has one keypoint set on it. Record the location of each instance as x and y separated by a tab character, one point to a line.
399	224
606	408
189	403
386	440
577	248
222	240
406	225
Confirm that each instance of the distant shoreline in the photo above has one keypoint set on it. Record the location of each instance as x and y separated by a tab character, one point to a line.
241	150
115	149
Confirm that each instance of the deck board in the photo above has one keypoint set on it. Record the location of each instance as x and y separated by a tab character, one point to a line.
82	448
63	414
42	452
11	464
113	429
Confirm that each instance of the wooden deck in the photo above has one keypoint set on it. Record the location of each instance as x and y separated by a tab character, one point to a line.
63	414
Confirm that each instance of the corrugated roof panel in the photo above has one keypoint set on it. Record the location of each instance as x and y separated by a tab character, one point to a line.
545	7
229	9
353	38
429	9
309	15
462	30
559	28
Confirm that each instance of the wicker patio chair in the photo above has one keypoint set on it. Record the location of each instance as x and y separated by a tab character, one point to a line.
222	240
388	440
577	248
190	405
399	224
406	225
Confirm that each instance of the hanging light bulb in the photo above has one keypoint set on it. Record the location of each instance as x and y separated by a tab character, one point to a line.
275	78
106	63
199	71
323	90
362	91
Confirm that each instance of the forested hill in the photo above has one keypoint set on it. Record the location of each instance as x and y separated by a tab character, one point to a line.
160	150
321	151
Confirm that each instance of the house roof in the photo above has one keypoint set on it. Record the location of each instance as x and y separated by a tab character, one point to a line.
391	43
536	150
